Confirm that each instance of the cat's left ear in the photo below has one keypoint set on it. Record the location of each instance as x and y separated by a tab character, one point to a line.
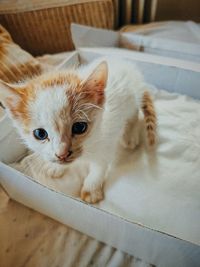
11	94
95	84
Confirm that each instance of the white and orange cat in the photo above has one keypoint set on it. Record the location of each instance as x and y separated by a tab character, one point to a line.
83	113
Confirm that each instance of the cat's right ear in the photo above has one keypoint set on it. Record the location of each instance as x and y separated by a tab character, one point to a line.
11	94
95	84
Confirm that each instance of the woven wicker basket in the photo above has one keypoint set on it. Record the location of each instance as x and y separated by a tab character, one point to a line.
44	26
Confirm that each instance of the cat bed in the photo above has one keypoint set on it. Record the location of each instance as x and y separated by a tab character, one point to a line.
144	185
158	190
151	205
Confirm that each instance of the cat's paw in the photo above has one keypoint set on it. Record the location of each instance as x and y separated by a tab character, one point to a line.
55	172
92	196
131	141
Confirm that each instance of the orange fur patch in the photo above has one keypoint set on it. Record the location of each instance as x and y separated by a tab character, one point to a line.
60	78
95	92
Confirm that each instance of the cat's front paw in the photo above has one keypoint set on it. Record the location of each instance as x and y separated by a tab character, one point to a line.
55	172
131	140
92	196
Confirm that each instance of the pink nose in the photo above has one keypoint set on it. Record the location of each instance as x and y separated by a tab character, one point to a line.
65	155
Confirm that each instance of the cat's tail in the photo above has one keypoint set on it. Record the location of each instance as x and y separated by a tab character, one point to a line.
149	117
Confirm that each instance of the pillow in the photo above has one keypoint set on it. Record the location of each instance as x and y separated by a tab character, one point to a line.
16	64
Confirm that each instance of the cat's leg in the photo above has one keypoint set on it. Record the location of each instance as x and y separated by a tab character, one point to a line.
53	170
131	136
92	190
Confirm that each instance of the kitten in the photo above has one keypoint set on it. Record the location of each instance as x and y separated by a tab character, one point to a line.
82	114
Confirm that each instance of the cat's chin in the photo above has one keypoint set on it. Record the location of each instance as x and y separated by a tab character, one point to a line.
58	162
63	162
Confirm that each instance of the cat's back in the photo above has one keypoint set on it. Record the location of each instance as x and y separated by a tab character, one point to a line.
123	75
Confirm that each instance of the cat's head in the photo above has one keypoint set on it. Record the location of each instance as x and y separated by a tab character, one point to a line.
55	113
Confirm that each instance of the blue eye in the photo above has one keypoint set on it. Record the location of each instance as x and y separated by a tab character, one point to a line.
79	127
40	134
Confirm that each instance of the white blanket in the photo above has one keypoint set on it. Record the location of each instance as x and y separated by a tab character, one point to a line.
161	190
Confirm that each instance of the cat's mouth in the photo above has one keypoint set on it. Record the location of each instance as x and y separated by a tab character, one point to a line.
73	156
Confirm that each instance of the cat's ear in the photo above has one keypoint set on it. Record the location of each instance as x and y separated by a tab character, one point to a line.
11	94
96	83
